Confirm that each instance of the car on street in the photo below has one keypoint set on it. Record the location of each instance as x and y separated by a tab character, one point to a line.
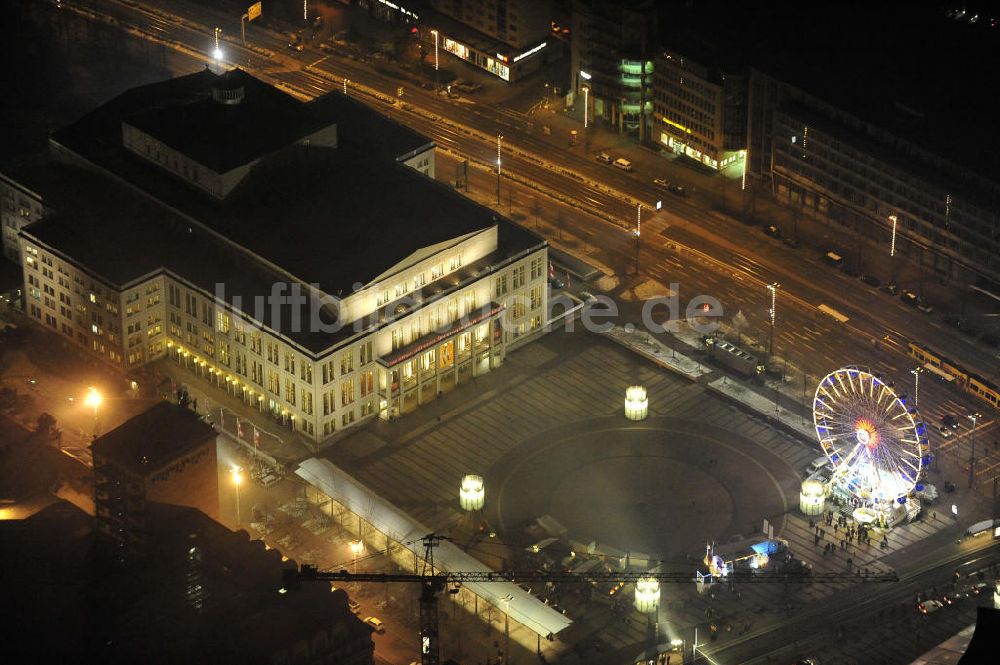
296	46
909	298
929	607
773	231
949	421
354	605
677	190
891	289
623	164
924	306
791	242
834	259
662	184
851	270
871	280
979	588
376	624
604	158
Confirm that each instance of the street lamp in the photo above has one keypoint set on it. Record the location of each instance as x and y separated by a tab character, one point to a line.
357	547
916	384
93	400
638	234
892	250
237	481
437	83
773	289
972	458
499	138
346	81
586	107
506	627
217	53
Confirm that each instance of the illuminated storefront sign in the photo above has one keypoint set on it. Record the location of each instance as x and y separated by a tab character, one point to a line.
531	52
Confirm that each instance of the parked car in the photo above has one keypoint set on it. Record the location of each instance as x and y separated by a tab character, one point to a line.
929	607
773	231
661	183
377	624
851	270
604	157
834	259
910	298
891	289
871	280
623	164
924	306
354	605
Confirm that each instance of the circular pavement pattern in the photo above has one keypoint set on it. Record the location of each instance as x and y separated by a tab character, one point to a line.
664	486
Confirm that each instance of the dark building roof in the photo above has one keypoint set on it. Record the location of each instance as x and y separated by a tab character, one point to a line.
986	640
907	68
153	438
222	136
332	217
207	595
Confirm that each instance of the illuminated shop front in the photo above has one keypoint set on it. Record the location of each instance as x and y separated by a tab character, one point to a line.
505	66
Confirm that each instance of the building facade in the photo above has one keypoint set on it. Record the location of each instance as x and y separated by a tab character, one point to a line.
699	111
507	38
165	455
838	166
427	292
19	206
612	53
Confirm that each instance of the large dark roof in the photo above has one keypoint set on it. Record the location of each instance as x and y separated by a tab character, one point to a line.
154	438
907	68
333	217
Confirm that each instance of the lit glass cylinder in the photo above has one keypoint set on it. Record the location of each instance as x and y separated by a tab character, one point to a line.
472	494
812	497
636	403
647	595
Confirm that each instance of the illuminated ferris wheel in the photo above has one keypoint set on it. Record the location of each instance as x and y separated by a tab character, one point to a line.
877	448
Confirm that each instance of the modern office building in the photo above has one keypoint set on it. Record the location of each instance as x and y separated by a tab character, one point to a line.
882	136
613	48
164	455
508	38
20	205
206	595
700	111
298	255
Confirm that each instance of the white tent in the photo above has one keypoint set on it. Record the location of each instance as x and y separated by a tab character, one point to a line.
341	487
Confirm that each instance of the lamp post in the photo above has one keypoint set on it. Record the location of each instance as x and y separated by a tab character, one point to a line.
93	400
237	481
357	547
506	627
586	107
638	234
346	81
916	384
892	250
972	458
773	289
217	53
499	138
437	83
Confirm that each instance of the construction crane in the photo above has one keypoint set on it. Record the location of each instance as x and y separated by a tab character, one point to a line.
433	582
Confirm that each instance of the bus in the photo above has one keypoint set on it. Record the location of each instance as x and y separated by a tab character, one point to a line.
832	313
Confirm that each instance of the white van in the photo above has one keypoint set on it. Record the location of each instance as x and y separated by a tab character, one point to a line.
817	464
623	164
